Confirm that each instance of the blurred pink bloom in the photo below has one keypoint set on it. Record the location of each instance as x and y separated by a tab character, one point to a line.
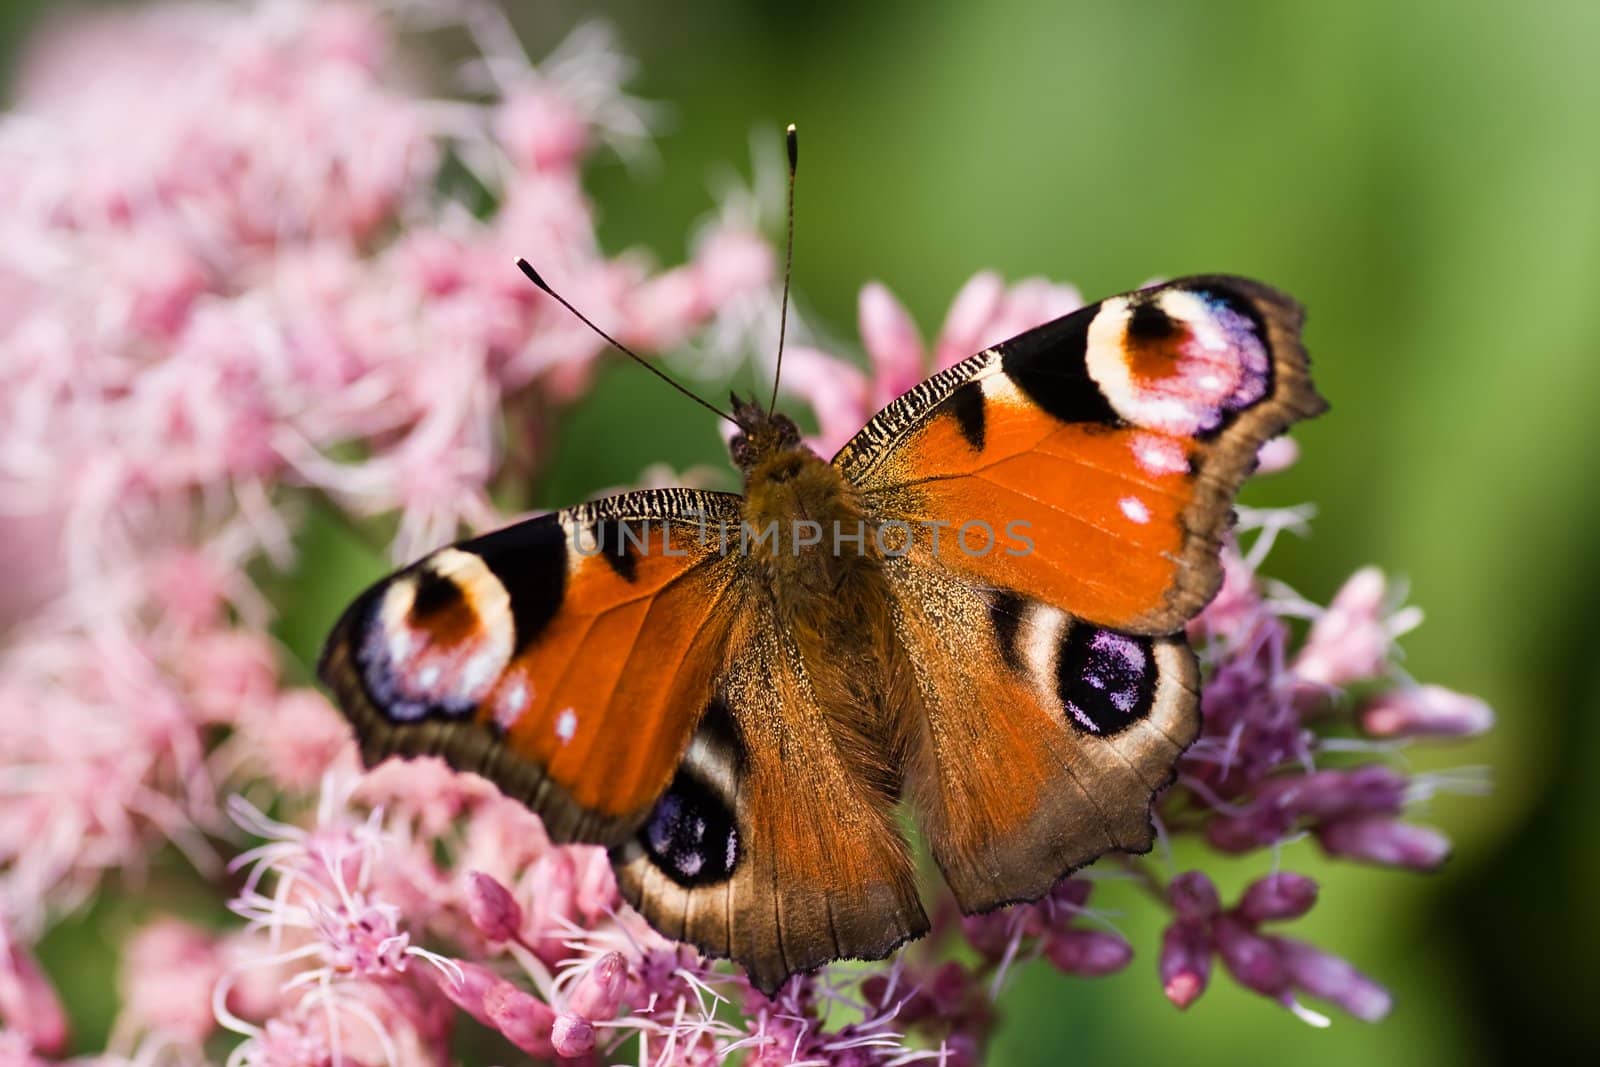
169	972
1386	841
1425	711
28	1003
1330	978
541	129
1350	641
984	313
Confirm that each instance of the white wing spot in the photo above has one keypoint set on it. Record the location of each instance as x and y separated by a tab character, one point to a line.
1135	509
1159	455
511	704
566	725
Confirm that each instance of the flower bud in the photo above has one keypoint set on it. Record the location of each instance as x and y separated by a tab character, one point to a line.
598	994
1089	953
554	877
1276	455
28	1002
541	131
1185	965
524	1019
1372	788
1382	840
1073	893
1334	980
470	991
595	892
492	908
1278	896
1246	833
1349	642
1193	897
1426	711
572	1035
949	989
1250	958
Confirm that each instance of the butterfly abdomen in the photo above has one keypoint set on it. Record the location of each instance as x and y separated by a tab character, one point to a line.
824	572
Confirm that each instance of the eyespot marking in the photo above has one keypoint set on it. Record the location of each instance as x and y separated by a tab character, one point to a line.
1178	360
691	835
435	639
1106	680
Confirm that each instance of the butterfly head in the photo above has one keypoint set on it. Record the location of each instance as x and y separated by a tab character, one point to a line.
764	435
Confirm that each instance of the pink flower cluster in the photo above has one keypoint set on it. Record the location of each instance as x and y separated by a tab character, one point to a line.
252	266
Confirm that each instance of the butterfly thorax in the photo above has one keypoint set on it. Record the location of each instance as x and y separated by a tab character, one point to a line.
804	524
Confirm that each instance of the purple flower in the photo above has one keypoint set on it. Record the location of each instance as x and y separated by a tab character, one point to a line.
1275	967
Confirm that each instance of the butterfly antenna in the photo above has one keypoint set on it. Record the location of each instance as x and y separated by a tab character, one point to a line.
544	287
792	141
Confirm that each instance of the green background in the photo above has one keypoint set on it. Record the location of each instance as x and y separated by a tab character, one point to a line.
1426	179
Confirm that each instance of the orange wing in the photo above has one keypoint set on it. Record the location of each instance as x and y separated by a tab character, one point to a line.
1060	499
1092	463
1040	739
567	658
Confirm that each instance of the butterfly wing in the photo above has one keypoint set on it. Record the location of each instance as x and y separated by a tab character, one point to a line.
1060	501
1092	463
771	846
1039	739
567	658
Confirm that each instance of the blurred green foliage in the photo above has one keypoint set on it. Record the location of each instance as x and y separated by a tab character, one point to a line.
1426	178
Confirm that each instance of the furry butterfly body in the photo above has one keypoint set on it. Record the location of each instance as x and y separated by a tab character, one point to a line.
975	610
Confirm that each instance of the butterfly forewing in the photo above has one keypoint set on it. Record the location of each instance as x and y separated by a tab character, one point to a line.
567	658
1097	456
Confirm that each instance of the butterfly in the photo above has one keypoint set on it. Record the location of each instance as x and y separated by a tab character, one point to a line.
737	694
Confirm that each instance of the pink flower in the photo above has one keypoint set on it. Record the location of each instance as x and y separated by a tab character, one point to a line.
1274	967
1386	841
984	313
1425	711
526	1021
1350	641
28	1003
170	970
492	908
541	129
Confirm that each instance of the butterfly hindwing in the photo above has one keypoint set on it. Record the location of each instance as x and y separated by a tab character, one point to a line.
567	658
1091	463
1042	738
771	847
